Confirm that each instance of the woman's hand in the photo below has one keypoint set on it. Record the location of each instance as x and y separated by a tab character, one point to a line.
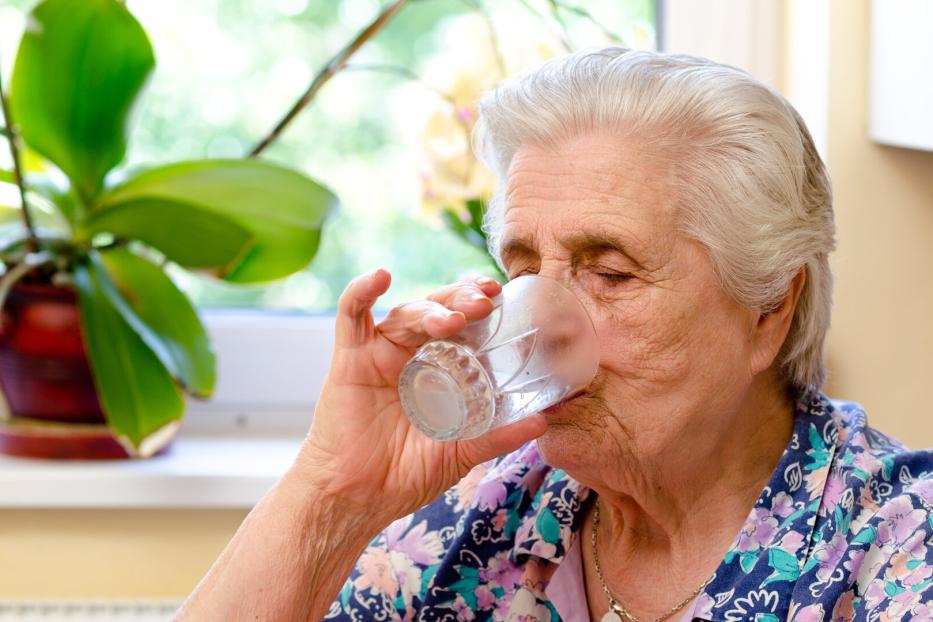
361	448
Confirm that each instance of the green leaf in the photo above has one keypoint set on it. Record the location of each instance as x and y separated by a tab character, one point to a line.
866	535
161	315
547	526
426	577
780	576
283	210
816	439
782	561
191	237
137	393
477	209
892	588
79	68
464	231
7	176
747	561
920	587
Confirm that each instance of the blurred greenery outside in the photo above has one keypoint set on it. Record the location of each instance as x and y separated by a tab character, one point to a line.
228	69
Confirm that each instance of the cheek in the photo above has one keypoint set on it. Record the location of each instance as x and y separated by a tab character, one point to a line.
646	338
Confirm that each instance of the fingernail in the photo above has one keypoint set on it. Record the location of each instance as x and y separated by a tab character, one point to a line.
476	297
485	280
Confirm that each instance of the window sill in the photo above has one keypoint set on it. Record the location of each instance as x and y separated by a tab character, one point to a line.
197	472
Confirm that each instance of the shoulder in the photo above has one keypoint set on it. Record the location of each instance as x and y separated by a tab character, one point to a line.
871	470
873	533
479	515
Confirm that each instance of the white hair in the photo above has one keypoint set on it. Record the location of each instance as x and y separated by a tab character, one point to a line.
749	183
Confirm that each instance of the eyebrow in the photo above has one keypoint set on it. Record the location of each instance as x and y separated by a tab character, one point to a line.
574	242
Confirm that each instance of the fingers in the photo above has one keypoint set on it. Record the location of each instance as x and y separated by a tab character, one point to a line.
354	316
414	323
445	312
500	441
471	296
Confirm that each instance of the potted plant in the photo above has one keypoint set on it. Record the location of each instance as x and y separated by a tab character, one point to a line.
98	347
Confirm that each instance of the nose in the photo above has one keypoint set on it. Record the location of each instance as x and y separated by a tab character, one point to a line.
556	270
562	272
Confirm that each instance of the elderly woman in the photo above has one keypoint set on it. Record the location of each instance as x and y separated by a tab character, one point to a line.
702	475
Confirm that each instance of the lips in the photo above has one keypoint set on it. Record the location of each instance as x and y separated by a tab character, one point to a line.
553	409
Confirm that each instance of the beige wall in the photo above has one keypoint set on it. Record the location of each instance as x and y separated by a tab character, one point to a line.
881	354
109	553
881	344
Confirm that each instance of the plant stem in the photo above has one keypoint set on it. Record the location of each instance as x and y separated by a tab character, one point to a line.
408	74
402	72
581	12
565	32
477	6
31	243
329	71
14	274
559	34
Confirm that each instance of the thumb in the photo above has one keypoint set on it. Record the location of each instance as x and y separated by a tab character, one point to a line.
500	441
354	323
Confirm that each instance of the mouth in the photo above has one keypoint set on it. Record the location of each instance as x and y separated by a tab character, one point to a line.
550	410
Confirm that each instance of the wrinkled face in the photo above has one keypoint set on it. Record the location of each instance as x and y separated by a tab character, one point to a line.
598	214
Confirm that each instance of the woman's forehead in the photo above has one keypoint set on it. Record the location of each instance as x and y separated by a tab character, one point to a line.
589	176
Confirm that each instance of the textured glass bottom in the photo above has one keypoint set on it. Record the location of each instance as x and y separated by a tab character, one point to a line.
446	393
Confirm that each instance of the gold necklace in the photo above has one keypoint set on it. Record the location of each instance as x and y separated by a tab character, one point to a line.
616	611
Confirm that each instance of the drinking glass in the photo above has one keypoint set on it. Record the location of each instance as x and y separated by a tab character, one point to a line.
537	348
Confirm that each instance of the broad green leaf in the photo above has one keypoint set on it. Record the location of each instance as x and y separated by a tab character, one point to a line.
190	236
160	314
282	209
137	393
79	68
7	176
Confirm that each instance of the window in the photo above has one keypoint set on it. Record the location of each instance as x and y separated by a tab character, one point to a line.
384	135
227	70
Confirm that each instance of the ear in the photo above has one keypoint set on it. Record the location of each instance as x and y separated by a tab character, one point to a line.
773	326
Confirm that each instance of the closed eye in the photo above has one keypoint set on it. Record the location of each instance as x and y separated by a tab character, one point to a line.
614	277
523	272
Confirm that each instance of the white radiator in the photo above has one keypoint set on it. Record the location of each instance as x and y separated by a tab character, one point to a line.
87	610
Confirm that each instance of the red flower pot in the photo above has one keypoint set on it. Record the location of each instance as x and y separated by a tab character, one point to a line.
47	381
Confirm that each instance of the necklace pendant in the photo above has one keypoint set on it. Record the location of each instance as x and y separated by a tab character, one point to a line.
610	616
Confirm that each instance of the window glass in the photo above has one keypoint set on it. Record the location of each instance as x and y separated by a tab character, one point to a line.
388	136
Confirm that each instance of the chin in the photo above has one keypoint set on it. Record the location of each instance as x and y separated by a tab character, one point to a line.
575	431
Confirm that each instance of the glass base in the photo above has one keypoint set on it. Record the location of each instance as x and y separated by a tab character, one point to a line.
446	393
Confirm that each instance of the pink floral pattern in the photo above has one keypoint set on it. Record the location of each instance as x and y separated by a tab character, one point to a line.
843	531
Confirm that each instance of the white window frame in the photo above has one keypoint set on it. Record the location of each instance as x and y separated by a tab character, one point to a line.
270	370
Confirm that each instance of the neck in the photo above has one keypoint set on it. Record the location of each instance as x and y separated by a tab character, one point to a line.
667	518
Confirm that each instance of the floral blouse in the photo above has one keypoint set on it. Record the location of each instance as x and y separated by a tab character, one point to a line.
843	531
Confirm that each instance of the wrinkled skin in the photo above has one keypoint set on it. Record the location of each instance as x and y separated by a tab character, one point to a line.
687	416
